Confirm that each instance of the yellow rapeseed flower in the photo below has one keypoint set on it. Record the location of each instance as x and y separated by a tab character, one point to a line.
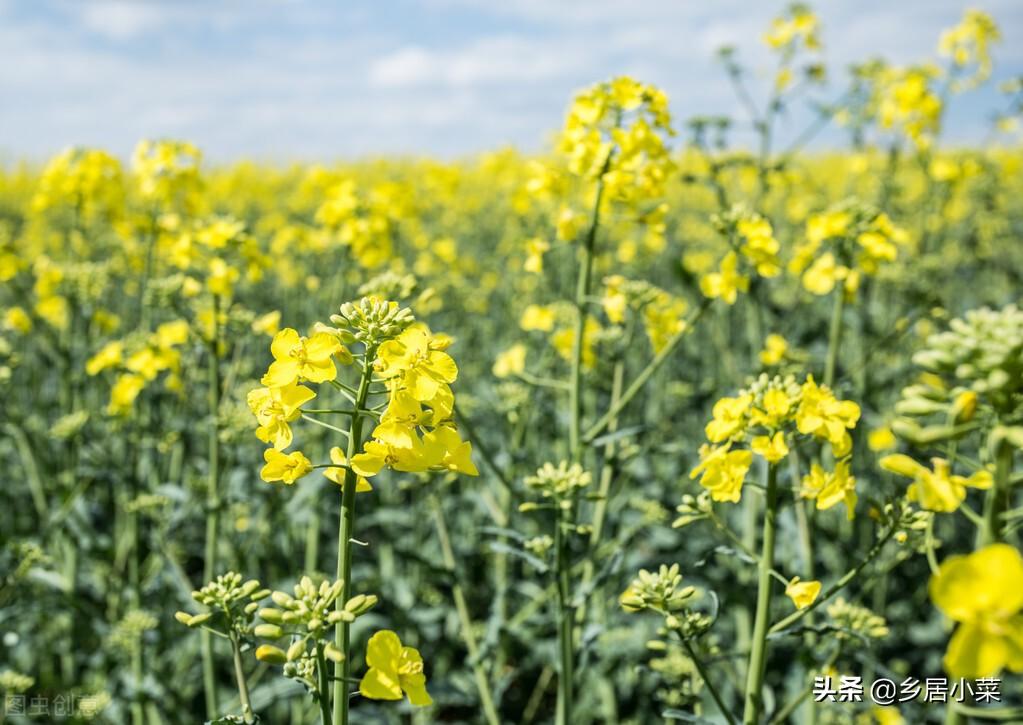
983	593
394	670
802	594
284	467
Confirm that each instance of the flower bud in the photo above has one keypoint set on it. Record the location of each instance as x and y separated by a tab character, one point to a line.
268	631
274	616
270	654
964	407
295	650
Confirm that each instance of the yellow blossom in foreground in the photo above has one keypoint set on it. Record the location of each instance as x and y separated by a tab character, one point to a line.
802	594
337	474
297	358
938	489
821	414
723	471
983	593
829	489
775	406
416	359
274	408
284	467
773	448
729	418
394	670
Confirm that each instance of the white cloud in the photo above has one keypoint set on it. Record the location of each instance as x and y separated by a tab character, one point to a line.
318	79
123	19
489	60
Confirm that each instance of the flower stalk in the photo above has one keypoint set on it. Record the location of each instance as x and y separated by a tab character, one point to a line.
346	529
212	503
754	704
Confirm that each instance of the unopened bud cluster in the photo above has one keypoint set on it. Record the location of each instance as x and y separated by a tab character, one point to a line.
371	321
227	596
983	349
560	481
661	590
309	617
692	509
848	617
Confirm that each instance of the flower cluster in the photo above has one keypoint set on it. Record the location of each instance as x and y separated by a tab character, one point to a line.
661	590
766	416
843	242
230	603
752	243
415	430
616	130
559	483
969	44
308	618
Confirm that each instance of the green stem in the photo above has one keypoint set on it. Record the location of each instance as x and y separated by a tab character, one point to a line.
565	623
834	336
239	675
323	694
346	528
462	608
582	293
212	505
991	530
603	492
706	679
758	656
137	672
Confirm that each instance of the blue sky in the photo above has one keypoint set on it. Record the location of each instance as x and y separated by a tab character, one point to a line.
305	79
